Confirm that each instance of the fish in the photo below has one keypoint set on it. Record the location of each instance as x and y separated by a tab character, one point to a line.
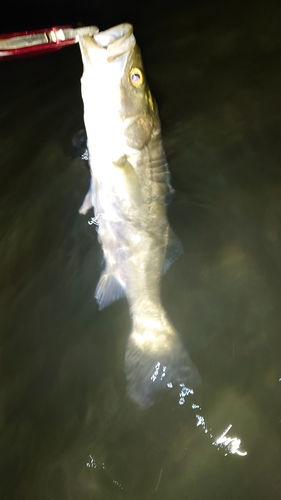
130	188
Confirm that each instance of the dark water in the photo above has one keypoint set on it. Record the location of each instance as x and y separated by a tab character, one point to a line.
68	430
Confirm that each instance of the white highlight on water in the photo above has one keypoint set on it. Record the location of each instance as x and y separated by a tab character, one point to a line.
156	372
193	406
92	463
163	372
94	220
184	392
85	155
118	484
231	444
201	421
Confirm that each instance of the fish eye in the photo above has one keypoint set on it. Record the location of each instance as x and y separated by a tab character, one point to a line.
136	77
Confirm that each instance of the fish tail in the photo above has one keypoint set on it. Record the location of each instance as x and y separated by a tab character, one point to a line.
156	360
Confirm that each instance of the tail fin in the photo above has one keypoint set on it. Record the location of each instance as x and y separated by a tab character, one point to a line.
156	360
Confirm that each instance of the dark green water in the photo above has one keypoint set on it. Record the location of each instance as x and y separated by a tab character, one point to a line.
68	431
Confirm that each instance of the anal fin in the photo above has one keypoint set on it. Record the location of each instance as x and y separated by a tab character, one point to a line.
173	251
108	290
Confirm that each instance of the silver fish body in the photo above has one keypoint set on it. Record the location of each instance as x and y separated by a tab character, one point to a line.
129	190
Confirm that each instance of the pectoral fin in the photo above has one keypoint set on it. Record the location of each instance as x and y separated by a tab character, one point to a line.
88	201
128	179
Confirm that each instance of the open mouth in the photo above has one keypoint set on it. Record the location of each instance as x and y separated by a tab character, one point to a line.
118	33
115	43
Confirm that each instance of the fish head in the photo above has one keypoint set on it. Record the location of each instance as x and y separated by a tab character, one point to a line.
116	96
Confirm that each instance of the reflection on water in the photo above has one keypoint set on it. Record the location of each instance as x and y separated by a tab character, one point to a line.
231	444
67	429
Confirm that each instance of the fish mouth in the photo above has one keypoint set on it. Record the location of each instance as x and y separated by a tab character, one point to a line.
119	34
115	42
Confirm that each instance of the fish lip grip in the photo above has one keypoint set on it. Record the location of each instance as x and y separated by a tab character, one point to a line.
37	42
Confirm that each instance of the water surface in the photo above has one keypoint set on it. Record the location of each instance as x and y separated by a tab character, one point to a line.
68	430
